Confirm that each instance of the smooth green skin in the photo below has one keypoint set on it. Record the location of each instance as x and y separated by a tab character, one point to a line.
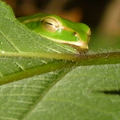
59	30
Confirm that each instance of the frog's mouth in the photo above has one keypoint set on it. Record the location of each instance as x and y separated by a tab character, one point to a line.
80	46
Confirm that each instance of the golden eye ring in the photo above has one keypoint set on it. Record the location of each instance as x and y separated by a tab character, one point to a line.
50	24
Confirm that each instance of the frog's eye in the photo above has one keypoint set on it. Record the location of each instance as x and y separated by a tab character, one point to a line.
50	24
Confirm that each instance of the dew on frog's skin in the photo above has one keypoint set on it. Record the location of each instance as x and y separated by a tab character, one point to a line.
1	43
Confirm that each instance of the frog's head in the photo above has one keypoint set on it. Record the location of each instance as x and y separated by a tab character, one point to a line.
61	30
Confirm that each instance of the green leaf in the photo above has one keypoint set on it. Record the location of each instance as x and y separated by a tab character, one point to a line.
44	80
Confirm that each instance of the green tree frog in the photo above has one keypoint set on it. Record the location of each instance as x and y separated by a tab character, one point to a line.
59	30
